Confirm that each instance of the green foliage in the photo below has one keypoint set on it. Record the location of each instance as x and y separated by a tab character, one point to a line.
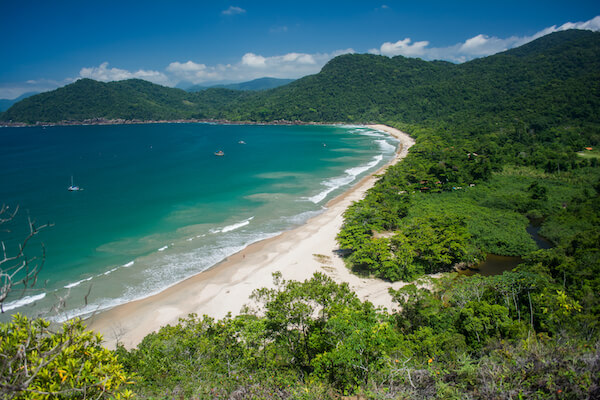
481	319
438	230
132	99
36	363
463	337
358	345
289	311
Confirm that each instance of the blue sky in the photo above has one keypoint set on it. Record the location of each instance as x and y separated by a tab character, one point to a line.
47	44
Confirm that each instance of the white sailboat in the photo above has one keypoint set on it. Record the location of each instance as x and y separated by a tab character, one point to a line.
73	188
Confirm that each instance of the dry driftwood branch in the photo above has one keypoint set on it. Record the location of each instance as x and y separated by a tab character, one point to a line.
17	271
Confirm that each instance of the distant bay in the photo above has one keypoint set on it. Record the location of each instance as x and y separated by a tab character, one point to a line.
158	205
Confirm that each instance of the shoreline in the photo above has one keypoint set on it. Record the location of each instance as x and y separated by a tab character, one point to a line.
226	287
119	121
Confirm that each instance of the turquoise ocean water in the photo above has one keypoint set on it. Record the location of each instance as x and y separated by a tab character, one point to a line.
157	205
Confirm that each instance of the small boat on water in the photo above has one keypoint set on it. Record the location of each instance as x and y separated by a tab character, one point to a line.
219	153
241	142
73	188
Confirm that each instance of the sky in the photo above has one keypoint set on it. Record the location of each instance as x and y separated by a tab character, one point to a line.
48	44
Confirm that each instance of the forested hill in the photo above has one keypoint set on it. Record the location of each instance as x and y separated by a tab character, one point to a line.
556	76
558	73
129	99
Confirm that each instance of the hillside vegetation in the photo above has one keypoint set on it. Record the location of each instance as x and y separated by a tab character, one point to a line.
498	144
132	99
556	76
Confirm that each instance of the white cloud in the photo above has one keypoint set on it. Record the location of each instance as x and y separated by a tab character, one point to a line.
298	58
402	47
185	67
252	66
478	46
254	61
105	74
482	45
192	72
592	25
232	10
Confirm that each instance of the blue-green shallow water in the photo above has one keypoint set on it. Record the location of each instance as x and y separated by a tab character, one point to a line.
158	206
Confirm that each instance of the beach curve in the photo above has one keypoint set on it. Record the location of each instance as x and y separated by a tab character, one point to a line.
226	287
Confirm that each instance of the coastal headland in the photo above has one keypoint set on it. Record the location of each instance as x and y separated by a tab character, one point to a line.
225	288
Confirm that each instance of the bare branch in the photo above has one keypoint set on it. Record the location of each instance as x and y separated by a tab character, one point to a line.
18	270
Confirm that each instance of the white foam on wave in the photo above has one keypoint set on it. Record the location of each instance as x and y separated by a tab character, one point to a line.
385	146
350	126
232	227
88	310
170	270
337	182
23	301
110	271
163	248
377	134
301	218
73	284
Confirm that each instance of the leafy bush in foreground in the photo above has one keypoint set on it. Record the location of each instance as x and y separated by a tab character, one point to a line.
36	363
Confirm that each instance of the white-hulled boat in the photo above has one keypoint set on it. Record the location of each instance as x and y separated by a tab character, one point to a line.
73	188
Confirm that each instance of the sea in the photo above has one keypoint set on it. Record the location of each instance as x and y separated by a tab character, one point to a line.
156	205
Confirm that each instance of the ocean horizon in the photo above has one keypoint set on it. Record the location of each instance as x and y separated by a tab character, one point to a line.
157	205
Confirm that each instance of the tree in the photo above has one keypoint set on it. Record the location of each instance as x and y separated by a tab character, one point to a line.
359	342
297	312
36	363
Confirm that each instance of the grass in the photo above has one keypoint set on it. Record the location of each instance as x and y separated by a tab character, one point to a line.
589	153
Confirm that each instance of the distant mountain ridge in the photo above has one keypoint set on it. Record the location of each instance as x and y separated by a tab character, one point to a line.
553	79
253	85
5	104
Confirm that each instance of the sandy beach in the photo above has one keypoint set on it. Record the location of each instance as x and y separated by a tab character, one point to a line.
227	287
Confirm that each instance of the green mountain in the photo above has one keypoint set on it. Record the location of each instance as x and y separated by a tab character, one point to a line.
556	76
253	85
541	78
129	99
